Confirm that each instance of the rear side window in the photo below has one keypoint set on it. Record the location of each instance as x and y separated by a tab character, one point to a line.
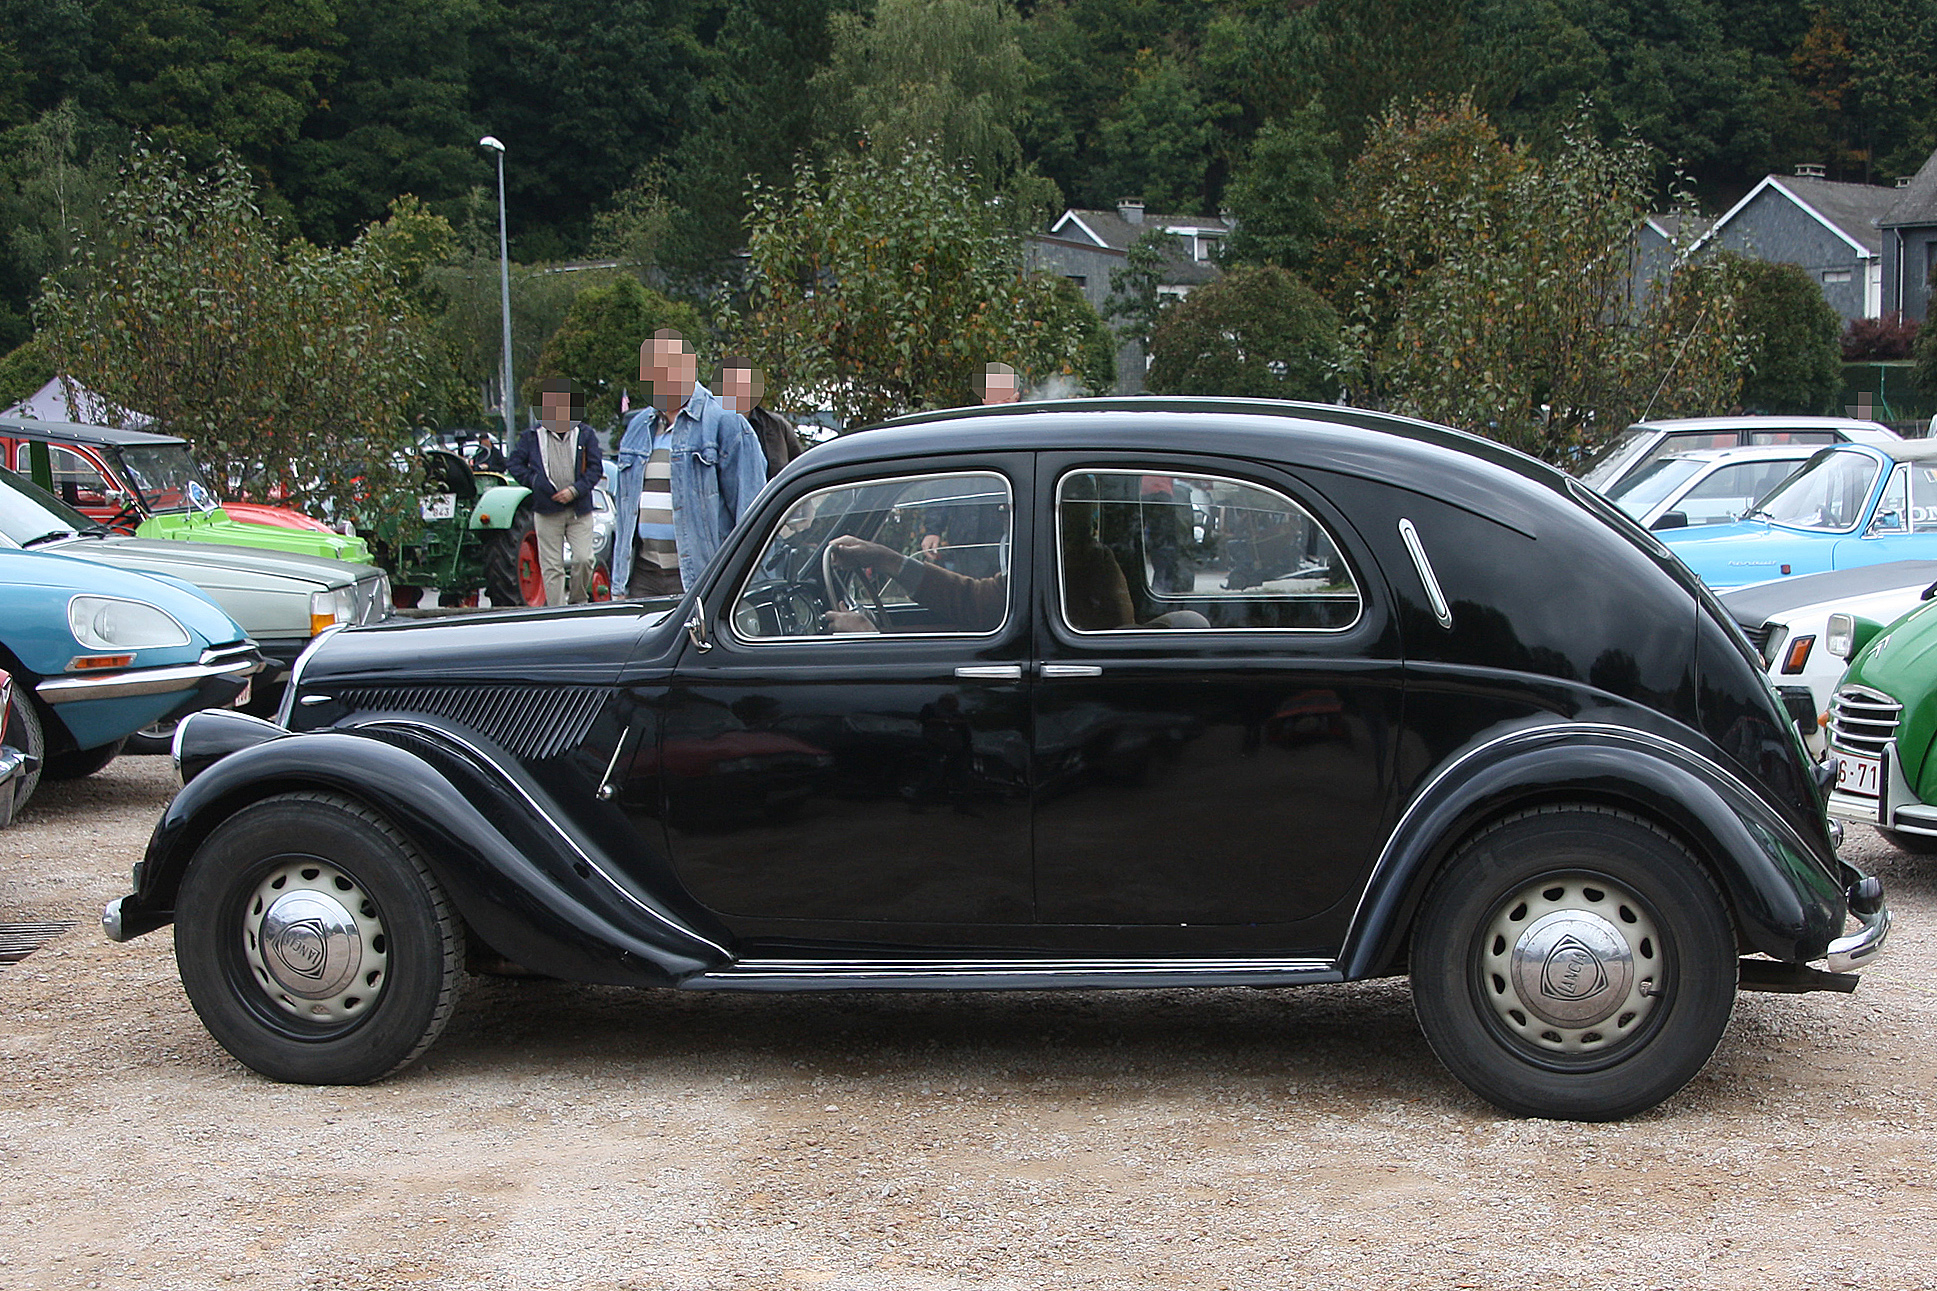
1153	552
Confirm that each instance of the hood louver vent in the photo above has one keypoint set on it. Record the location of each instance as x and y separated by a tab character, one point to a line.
528	723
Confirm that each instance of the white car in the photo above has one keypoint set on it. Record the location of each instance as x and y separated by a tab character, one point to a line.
1712	486
1644	441
1788	621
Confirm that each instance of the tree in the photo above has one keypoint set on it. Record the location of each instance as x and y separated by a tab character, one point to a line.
884	284
296	372
1135	295
598	344
1277	196
23	371
1794	362
1257	332
1504	303
54	173
1157	141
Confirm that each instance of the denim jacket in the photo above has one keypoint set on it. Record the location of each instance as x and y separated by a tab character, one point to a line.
718	471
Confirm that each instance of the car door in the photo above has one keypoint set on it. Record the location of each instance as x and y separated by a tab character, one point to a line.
849	757
1903	525
1217	701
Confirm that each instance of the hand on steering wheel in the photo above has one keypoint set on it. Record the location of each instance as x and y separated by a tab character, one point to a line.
847	569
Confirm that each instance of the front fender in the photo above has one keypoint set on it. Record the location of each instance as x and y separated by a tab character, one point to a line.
1785	893
498	506
532	888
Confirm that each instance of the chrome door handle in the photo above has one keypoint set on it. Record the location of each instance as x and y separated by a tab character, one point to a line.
1071	670
991	672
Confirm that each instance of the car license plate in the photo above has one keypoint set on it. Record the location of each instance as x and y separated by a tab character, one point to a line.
441	507
1858	775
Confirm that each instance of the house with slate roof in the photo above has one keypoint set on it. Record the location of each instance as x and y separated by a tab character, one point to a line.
1826	226
1908	231
1084	246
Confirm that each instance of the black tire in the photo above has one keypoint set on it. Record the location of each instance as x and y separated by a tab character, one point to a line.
501	558
77	764
367	1009
1518	976
150	740
1915	844
24	732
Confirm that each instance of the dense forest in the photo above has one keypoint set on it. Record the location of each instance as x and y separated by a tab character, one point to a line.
662	109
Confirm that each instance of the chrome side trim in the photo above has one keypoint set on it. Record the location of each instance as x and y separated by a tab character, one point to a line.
1410	536
142	681
485	759
288	705
1006	974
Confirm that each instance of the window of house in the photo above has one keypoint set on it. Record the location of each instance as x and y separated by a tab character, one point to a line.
1836	275
1145	552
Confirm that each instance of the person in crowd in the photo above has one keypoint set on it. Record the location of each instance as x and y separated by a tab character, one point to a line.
688	469
998	384
486	455
742	387
559	461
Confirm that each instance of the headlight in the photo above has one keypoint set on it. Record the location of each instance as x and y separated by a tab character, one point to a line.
110	623
1839	637
329	608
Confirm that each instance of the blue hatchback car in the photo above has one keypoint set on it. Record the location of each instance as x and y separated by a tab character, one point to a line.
97	654
1851	505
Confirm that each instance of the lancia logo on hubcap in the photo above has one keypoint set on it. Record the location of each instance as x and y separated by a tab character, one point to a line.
1572	971
302	947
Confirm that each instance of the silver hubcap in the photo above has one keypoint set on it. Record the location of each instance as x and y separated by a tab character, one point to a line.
314	943
1572	964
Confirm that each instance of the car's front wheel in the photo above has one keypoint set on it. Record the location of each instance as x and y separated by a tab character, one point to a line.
1575	963
314	942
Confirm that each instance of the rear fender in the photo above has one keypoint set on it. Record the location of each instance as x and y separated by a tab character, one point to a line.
532	888
1785	893
498	506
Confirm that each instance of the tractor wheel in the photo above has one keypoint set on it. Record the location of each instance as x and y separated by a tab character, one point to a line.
511	574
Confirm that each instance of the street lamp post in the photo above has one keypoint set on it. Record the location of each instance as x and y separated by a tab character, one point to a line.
504	295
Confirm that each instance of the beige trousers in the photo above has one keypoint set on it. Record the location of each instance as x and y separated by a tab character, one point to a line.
554	531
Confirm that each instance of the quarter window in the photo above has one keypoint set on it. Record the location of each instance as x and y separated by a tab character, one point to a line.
1139	552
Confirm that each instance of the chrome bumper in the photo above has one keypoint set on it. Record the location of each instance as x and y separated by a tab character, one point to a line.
150	681
1860	948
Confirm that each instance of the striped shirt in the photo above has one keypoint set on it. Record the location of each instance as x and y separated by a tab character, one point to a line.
657	545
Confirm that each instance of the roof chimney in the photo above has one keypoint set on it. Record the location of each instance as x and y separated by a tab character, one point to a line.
1809	170
1131	209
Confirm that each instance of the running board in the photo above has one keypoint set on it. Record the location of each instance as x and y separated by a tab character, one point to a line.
1008	974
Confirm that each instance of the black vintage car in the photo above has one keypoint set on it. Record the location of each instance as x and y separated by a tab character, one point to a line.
1402	701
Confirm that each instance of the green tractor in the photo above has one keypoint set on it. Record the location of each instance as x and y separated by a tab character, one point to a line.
479	533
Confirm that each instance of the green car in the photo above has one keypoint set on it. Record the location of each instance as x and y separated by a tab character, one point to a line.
1883	725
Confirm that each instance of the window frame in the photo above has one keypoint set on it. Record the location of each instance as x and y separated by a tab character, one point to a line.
861	482
1174	470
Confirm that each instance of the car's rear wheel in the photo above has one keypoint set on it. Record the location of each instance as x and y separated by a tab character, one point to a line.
76	764
511	573
1574	962
314	942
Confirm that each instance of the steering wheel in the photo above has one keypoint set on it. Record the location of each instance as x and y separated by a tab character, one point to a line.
843	585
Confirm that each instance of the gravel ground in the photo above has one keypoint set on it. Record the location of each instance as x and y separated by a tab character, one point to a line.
567	1136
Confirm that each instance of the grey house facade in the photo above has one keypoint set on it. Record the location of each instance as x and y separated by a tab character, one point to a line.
1909	235
1827	227
1084	246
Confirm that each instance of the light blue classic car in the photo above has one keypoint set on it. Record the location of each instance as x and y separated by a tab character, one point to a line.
98	653
1853	504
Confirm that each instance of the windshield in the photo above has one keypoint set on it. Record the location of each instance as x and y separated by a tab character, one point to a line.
1640	492
30	514
162	474
1607	463
1828	494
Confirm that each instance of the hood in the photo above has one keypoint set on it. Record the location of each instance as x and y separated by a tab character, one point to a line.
35	587
583	645
1806	593
210	564
1750	551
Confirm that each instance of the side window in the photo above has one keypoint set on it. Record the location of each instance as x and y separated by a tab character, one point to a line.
1793	437
1923	497
76	482
925	554
1142	552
